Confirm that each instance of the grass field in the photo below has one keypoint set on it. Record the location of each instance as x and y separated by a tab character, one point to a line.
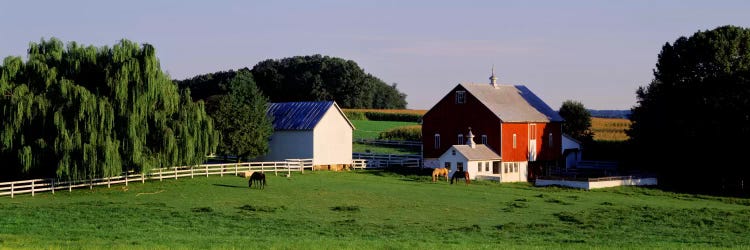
371	129
369	210
391	111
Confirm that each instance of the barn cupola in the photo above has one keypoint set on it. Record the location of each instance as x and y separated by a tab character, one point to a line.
493	78
470	139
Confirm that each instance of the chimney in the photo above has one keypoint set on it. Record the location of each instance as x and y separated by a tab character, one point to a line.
493	78
470	139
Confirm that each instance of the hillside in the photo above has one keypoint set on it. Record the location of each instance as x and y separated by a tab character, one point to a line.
368	210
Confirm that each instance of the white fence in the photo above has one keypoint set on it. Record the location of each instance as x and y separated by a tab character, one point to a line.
372	160
50	185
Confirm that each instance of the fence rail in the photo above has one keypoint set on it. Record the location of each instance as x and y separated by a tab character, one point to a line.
34	186
373	160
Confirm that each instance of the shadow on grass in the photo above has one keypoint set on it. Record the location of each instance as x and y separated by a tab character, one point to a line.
231	186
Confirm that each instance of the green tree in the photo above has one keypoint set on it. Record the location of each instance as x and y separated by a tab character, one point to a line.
241	119
692	121
79	112
577	121
324	78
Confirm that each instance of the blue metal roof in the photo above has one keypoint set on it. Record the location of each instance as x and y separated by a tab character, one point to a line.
297	115
538	104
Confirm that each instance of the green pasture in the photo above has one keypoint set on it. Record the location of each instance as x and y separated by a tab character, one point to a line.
368	210
371	129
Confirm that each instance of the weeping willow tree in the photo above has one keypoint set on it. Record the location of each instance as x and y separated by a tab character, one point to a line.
77	112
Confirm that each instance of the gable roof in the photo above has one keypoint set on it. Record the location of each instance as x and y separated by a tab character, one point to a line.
300	115
513	103
480	152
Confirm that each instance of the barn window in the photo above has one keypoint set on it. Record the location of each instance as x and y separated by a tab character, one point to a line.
487	166
448	165
437	141
514	140
460	166
515	167
460	96
460	139
484	139
453	152
532	131
550	141
479	166
495	167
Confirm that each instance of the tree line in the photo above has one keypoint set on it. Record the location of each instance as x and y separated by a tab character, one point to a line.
306	78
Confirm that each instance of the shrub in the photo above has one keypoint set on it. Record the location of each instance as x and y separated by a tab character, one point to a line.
405	133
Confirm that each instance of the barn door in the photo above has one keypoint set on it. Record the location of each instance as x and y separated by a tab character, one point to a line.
532	142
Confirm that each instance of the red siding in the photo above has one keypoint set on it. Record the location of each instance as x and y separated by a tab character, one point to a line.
448	119
520	152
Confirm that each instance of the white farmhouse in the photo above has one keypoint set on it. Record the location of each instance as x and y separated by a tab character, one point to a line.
480	161
310	130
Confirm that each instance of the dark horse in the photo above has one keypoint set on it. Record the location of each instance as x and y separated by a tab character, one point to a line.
459	174
258	178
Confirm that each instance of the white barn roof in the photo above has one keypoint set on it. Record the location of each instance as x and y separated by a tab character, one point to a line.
513	103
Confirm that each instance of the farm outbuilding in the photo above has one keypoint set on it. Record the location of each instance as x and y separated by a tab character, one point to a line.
310	130
480	161
508	119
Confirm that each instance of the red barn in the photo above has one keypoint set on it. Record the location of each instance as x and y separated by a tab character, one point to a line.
509	119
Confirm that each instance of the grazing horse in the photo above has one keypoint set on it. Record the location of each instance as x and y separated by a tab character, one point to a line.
258	178
458	174
439	172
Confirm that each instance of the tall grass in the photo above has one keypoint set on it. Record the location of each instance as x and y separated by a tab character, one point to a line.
405	133
368	210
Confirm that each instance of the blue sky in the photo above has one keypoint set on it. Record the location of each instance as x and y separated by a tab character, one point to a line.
595	52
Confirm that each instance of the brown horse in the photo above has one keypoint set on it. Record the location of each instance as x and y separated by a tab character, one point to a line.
258	178
458	174
439	172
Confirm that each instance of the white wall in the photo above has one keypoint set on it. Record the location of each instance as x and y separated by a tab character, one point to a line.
453	159
333	139
571	159
598	184
296	144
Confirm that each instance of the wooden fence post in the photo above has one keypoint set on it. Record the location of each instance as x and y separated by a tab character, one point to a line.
11	190
143	177
108	179
126	179
53	186
175	173
206	170
192	172
160	178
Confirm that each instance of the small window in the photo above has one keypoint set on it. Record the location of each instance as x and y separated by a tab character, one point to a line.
460	96
495	167
514	140
532	131
437	141
551	145
448	165
486	166
505	168
460	139
515	167
453	152
484	139
460	166
479	167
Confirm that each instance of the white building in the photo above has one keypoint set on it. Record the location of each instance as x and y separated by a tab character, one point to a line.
304	130
571	150
481	162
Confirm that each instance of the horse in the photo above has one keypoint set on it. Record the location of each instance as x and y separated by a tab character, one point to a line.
258	178
459	174
439	172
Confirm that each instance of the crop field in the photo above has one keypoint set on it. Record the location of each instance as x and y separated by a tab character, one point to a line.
609	129
369	209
